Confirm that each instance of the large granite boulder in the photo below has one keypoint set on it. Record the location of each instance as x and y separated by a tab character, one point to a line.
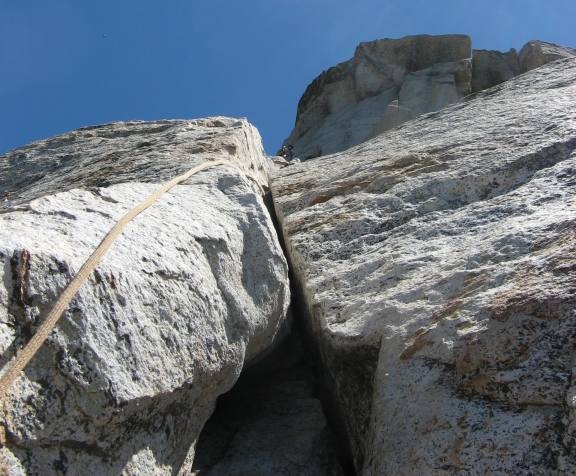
538	53
345	105
437	266
388	82
194	289
490	68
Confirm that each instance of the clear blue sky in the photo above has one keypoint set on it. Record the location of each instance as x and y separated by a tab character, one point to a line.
71	63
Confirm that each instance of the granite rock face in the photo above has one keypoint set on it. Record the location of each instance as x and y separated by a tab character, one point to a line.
272	422
195	288
490	68
538	53
436	263
389	82
345	105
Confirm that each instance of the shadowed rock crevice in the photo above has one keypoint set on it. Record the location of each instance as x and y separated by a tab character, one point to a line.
272	422
281	416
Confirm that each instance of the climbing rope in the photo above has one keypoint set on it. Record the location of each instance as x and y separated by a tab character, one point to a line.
29	351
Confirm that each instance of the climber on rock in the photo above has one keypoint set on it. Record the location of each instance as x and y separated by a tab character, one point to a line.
286	152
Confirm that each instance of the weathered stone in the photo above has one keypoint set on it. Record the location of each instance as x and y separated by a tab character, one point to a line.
194	288
345	105
436	263
538	53
490	68
435	87
356	100
382	64
279	162
272	422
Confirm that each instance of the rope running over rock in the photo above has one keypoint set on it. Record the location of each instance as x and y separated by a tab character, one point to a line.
29	351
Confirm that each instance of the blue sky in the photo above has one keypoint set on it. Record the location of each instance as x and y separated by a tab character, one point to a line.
70	63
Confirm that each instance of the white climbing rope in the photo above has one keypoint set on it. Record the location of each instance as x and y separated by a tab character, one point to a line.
26	354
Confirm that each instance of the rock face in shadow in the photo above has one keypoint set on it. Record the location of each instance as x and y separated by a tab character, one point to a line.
490	68
538	53
437	263
389	82
194	288
271	423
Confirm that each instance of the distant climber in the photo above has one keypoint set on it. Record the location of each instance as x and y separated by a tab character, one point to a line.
287	152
